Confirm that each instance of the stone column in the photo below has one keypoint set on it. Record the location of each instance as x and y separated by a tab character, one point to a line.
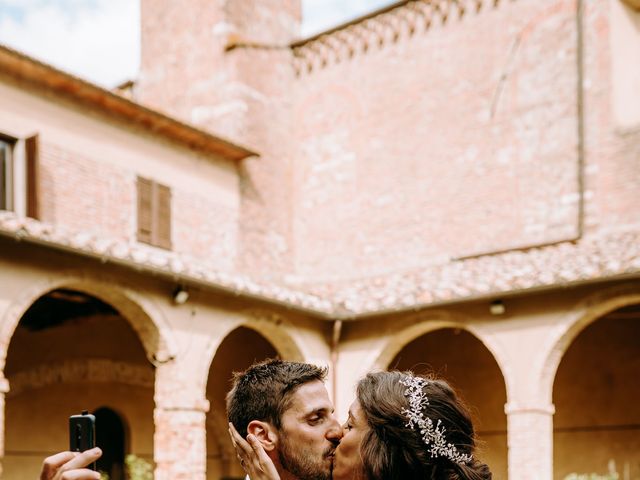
4	388
179	442
530	441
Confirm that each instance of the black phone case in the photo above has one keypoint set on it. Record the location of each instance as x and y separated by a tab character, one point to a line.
82	433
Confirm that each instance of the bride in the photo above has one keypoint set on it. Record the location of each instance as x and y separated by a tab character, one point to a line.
400	426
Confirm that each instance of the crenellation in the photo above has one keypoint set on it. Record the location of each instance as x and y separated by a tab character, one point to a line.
381	30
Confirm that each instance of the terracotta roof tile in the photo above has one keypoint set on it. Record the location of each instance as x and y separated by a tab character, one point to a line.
597	257
143	257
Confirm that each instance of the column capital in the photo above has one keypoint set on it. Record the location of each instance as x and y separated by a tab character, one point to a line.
541	408
200	405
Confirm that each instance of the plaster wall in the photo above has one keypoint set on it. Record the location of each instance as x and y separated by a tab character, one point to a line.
88	169
522	342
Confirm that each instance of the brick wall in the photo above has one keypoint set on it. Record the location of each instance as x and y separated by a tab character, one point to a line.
84	194
190	70
457	139
434	131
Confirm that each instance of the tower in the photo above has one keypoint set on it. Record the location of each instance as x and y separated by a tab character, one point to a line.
226	66
197	56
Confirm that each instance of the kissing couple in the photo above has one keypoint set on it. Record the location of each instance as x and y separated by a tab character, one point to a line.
400	426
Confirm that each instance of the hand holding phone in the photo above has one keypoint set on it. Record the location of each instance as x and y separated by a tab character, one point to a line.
70	465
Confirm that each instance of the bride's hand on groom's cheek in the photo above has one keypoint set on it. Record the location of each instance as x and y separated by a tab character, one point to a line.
254	460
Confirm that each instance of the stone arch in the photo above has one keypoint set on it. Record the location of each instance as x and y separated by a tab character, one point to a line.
588	377
586	312
145	318
269	324
450	342
416	326
75	379
270	327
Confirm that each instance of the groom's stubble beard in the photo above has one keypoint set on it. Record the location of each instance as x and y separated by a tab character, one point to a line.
303	463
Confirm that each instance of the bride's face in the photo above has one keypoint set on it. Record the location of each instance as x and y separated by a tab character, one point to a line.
347	463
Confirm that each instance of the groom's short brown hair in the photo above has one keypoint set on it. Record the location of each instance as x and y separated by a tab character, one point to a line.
263	391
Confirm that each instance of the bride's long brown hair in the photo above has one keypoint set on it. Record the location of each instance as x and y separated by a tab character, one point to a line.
393	451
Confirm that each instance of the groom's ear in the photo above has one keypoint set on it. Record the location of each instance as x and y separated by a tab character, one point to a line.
264	432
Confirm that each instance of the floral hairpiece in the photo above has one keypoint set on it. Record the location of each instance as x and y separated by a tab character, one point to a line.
432	435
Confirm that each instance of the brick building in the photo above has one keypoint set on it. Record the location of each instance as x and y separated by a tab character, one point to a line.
442	184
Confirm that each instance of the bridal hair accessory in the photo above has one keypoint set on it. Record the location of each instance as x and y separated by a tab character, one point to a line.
432	435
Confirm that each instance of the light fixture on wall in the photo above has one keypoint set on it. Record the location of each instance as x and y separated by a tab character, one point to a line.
180	295
497	307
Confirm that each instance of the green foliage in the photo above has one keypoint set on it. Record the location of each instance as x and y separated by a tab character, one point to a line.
138	468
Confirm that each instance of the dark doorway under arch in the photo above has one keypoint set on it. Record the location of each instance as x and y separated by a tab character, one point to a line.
111	438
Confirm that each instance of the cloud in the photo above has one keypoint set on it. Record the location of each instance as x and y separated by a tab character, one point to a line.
98	40
320	15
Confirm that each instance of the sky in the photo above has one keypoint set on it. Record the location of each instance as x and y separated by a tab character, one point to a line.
99	40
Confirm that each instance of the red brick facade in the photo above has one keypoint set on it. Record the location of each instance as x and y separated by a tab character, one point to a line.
430	132
400	175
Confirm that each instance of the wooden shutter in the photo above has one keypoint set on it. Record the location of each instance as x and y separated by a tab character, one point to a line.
32	152
163	216
145	210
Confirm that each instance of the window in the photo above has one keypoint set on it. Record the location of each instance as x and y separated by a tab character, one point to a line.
6	174
624	41
154	213
19	175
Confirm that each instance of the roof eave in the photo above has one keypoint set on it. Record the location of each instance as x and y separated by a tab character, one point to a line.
45	77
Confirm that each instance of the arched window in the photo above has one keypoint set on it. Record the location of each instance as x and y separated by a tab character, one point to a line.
110	437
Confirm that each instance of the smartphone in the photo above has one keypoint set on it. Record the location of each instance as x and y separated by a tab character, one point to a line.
82	433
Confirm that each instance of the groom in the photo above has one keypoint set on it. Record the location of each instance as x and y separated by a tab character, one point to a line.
285	405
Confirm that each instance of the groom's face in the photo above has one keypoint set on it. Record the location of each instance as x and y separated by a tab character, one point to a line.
309	433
